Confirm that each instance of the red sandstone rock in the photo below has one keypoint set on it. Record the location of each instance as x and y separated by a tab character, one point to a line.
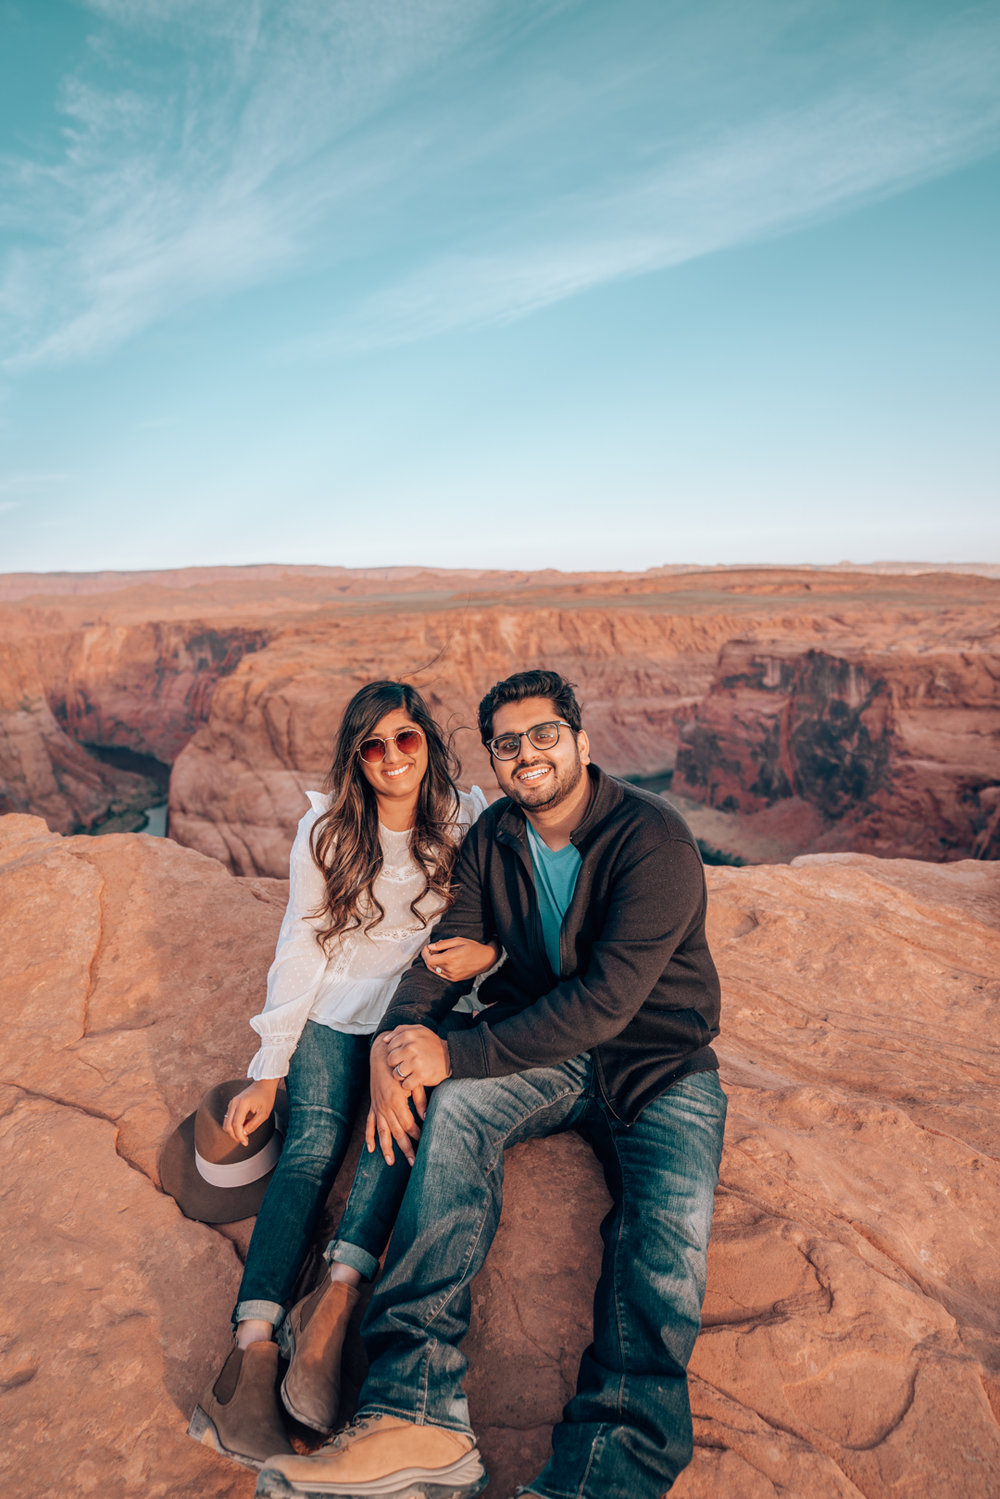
642	665
850	1342
238	788
150	667
138	685
897	751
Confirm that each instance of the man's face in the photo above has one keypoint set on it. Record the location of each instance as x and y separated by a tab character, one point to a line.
535	778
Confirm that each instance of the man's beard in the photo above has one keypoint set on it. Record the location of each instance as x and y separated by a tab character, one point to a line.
553	790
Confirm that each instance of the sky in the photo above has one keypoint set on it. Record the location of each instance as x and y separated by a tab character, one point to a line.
585	284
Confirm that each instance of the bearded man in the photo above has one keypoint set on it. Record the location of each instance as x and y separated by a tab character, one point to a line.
600	1019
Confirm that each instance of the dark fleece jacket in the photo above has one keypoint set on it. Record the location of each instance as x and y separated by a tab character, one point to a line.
637	988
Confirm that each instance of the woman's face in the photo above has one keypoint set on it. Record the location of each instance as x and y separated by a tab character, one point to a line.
398	775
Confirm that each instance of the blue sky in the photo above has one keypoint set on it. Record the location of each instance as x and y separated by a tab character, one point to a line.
498	283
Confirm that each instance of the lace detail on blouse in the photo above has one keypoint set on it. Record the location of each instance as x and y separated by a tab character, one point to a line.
350	986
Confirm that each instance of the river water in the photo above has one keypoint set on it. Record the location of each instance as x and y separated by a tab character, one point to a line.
156	820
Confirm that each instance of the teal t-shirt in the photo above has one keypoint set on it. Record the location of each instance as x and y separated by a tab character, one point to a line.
555	880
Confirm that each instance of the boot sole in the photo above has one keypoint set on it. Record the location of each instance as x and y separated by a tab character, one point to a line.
460	1480
202	1428
300	1416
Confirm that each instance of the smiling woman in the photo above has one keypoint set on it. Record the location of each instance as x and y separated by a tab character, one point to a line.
394	761
372	774
370	871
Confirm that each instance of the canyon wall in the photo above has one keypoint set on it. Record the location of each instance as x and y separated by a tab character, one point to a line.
804	710
851	1329
137	685
237	790
848	721
898	751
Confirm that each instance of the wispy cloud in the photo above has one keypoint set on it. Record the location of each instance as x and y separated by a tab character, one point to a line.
930	109
207	168
453	163
16	483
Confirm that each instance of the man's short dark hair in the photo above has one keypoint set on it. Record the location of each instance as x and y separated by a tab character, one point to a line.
522	684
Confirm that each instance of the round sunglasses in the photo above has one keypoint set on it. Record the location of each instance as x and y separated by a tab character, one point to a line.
407	741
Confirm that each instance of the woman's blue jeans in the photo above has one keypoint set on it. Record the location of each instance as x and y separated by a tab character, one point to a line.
626	1433
370	1212
327	1083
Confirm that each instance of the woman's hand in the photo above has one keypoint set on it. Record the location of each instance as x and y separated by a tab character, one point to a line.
390	1117
456	958
248	1110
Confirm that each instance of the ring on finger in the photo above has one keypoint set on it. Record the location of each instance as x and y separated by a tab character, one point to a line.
400	1075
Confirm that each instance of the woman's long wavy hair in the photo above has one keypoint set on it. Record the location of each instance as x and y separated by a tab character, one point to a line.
345	841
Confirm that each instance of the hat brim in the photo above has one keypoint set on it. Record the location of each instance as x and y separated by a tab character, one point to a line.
197	1198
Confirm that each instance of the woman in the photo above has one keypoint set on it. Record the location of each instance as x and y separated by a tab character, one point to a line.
369	874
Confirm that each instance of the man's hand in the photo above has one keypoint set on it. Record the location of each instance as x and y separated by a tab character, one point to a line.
390	1117
418	1055
248	1110
457	958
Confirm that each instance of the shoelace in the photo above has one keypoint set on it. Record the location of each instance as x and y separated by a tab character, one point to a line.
361	1423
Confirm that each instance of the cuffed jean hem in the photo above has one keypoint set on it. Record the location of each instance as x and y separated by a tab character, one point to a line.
340	1252
379	1408
263	1311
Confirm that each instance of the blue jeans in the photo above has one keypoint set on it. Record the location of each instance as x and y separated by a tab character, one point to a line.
327	1083
626	1433
370	1212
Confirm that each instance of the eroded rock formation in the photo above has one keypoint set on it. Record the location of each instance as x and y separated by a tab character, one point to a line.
238	788
128	683
897	752
851	1327
806	710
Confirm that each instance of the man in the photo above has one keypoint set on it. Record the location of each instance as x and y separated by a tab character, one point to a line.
600	1019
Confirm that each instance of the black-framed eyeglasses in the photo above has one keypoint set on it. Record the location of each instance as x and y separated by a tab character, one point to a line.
407	741
541	735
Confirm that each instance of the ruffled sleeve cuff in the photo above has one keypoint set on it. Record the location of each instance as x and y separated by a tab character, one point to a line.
271	1060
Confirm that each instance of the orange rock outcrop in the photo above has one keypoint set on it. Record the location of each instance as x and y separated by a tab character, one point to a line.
851	1327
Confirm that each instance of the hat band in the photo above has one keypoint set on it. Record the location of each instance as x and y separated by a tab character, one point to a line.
240	1173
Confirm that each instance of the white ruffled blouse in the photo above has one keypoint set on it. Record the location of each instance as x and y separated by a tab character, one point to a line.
349	986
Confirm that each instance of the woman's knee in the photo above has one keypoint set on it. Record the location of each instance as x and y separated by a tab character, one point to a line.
315	1134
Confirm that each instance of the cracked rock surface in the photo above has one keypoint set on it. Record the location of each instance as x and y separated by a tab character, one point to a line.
850	1345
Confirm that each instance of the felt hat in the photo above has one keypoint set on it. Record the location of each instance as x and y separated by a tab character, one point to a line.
212	1178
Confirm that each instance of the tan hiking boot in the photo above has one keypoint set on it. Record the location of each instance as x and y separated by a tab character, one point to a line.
314	1331
383	1456
239	1414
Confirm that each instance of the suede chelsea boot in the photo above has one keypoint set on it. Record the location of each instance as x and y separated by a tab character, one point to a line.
239	1414
314	1333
